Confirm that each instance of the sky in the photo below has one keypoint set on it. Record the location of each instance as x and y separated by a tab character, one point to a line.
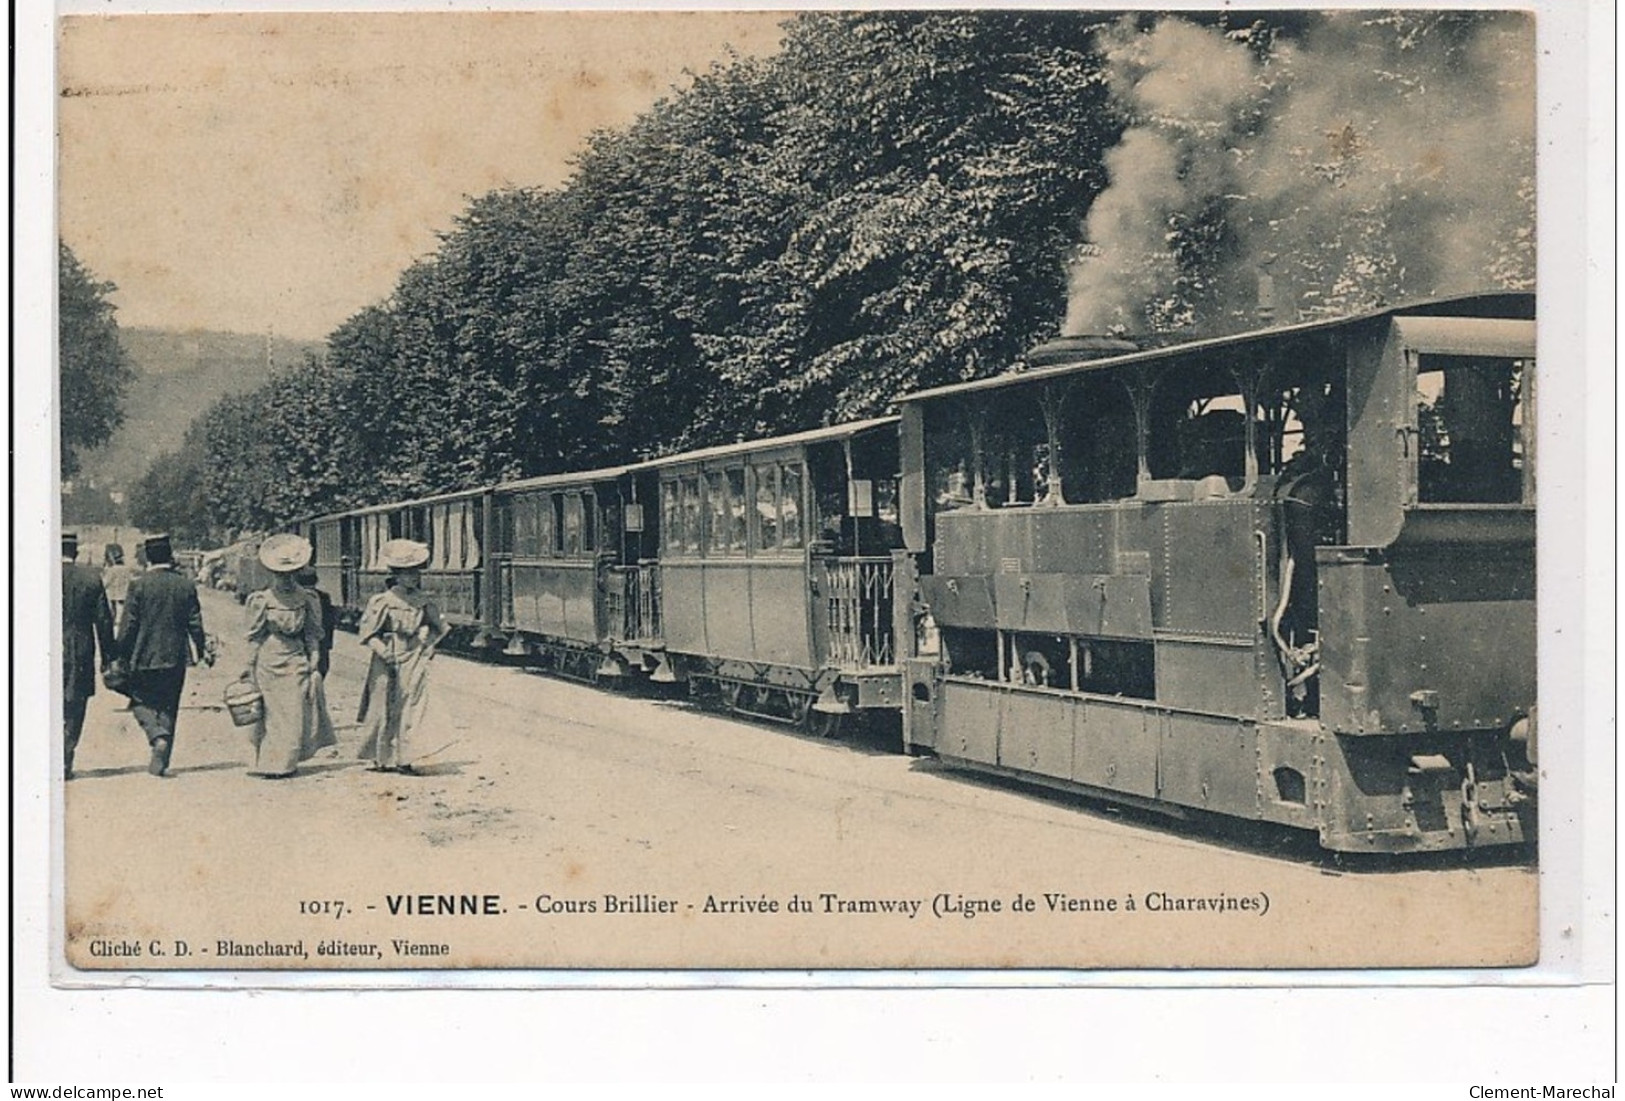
255	172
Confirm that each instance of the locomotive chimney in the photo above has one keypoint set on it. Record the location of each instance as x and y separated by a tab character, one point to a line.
1078	349
1266	293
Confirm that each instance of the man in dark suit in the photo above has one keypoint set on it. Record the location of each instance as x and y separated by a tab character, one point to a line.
161	632
87	626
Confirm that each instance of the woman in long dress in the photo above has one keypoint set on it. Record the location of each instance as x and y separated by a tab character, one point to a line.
285	630
402	628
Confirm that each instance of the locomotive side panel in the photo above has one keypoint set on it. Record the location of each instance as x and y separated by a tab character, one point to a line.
1211	562
1036	733
1116	746
1428	642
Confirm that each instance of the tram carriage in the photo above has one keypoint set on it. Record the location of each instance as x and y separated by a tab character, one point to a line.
560	542
1286	576
349	568
777	571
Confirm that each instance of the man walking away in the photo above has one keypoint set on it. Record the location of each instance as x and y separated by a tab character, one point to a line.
87	627
161	632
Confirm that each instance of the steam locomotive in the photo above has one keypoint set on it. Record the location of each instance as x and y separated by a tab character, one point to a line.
1286	576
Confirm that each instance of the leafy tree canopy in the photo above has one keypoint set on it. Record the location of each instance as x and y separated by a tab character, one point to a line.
95	371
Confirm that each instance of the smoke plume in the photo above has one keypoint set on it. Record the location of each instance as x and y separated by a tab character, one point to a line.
1375	157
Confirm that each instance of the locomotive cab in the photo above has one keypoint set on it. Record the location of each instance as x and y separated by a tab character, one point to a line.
1428	662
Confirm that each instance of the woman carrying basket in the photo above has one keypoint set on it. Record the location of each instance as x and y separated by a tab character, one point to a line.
285	630
402	629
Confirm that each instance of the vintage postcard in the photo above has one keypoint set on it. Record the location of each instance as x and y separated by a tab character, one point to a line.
846	490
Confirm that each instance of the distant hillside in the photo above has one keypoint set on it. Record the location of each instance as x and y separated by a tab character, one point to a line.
177	376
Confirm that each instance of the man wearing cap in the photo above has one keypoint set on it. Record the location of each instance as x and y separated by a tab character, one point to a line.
161	632
87	626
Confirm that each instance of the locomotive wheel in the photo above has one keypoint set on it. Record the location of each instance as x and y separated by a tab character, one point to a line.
823	724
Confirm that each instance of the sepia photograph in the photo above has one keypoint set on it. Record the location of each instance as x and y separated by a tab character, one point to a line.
551	497
873	489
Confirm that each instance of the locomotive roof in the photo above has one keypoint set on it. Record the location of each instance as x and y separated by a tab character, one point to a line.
1513	304
815	435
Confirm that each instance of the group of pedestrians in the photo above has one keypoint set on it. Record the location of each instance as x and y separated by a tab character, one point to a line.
146	646
159	632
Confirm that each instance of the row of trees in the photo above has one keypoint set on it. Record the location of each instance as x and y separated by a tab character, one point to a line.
94	367
892	201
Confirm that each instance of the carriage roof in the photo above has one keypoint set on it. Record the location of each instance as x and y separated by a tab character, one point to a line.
798	439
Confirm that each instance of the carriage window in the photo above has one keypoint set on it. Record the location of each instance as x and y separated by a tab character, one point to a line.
1099	443
569	507
327	544
736	509
437	540
767	506
527	538
473	534
885	501
589	523
546	524
719	514
790	505
502	517
692	525
671	517
1470	429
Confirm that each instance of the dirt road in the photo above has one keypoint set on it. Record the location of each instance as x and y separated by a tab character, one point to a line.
566	826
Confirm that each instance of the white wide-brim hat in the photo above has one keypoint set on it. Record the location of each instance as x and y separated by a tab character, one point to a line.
285	553
403	554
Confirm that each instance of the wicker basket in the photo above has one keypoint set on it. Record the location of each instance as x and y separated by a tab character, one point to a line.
244	701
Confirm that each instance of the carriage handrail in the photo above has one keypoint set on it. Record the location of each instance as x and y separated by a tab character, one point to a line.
857	604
